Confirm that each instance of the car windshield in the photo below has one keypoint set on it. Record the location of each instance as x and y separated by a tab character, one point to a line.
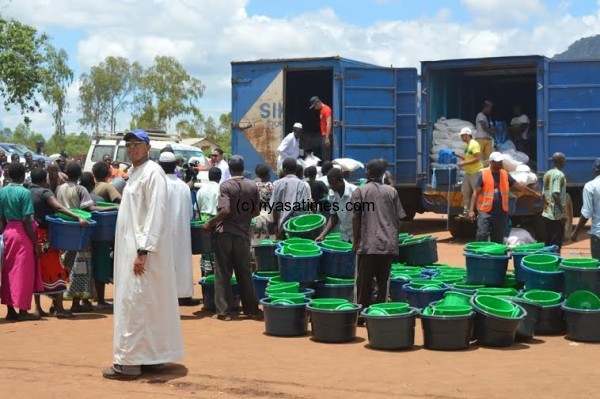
187	154
19	149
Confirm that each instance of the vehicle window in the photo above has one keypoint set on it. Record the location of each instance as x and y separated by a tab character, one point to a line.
122	154
188	154
154	155
13	148
100	150
23	149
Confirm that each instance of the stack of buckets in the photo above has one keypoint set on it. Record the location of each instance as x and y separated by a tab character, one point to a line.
66	234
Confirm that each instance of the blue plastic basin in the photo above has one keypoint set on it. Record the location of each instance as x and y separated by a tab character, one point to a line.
106	225
420	299
339	264
486	269
302	269
68	236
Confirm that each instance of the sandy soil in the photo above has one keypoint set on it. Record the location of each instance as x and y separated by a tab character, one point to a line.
63	359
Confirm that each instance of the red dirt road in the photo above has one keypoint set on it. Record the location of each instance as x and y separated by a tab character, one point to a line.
63	359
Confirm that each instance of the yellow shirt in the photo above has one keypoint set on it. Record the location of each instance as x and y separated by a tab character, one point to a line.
470	150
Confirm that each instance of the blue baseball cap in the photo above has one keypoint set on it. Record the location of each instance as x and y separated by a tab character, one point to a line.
597	165
140	134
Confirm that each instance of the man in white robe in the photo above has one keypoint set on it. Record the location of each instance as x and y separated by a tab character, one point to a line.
146	315
290	146
179	215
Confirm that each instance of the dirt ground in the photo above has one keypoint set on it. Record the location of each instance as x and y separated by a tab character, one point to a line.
64	358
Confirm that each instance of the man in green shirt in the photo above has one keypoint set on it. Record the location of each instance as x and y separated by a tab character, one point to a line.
555	195
471	162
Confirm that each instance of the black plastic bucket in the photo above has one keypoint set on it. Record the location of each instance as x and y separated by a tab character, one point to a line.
551	321
543	280
447	333
582	324
265	257
333	326
208	296
285	320
581	278
345	291
418	253
202	240
393	332
526	329
303	269
492	330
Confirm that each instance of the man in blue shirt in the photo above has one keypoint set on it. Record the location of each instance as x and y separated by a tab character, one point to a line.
591	210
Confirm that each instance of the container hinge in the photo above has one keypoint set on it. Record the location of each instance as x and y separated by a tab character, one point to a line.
338	76
422	126
540	123
241	125
240	80
338	123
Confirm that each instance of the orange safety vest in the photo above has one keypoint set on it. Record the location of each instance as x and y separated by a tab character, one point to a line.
485	199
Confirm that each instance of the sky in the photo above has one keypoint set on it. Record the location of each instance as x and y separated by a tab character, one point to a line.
206	35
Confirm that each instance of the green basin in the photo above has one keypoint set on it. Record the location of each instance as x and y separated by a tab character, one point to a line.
496	306
541	262
283	287
79	212
543	297
327	303
392	307
583	299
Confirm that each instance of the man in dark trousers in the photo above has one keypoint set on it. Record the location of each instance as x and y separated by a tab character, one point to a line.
326	125
238	204
376	224
492	197
555	193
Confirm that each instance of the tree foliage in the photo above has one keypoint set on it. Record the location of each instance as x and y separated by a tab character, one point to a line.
166	91
22	56
106	91
56	79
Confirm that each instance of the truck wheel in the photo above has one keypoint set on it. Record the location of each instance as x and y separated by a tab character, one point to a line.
410	215
569	221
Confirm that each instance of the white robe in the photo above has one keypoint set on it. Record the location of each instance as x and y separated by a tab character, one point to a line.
179	214
146	310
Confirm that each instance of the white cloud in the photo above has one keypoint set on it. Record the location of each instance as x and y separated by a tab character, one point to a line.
504	12
207	35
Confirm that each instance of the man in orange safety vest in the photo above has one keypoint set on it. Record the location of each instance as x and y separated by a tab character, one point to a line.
491	199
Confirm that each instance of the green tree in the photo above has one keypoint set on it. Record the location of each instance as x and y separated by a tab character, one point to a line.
106	91
24	135
74	145
186	129
167	91
56	79
22	61
219	134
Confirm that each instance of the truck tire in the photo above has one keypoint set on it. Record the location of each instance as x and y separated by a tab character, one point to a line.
462	228
569	221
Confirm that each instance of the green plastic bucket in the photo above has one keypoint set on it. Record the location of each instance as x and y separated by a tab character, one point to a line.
105	204
450	310
302	250
275	280
543	297
292	287
328	303
290	296
420	282
416	239
337	281
333	236
449	278
306	222
470	246
283	301
496	306
467	286
496	291
542	262
529	247
392	307
337	245
589	263
297	240
496	249
371	311
582	299
453	298
79	212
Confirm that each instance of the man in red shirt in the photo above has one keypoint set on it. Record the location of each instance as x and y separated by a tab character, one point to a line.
325	116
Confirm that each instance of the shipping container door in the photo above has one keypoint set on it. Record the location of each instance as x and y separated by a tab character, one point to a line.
257	113
407	143
573	117
369	115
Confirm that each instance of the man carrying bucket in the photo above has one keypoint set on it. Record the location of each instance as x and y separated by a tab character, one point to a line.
340	193
376	224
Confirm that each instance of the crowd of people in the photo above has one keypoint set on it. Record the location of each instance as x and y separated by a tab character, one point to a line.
150	260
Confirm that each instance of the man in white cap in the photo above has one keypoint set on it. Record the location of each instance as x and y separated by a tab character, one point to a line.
179	214
491	197
290	146
147	324
471	162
